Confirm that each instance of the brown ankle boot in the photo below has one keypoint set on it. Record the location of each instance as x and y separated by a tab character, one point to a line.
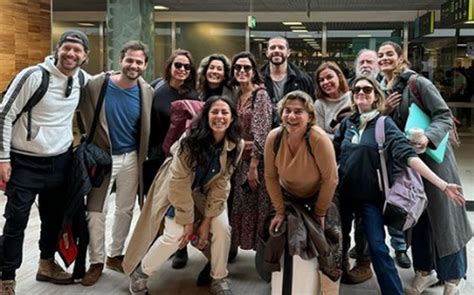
360	273
93	274
50	271
7	287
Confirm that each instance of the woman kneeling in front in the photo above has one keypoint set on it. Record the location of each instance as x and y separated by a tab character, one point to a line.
190	188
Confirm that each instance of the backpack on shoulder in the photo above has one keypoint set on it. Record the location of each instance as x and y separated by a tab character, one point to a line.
406	199
37	95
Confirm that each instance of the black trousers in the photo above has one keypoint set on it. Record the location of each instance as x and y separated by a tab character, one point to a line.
31	176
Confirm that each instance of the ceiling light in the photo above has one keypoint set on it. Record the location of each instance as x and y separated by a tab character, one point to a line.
161	7
298	28
293	23
305	36
469	22
308	40
300	31
86	24
364	36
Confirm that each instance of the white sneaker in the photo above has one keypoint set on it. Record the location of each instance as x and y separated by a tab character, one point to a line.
421	283
453	289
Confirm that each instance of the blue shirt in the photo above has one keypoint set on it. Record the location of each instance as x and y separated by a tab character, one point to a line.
122	110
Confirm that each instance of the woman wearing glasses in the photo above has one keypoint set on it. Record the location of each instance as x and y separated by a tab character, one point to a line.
440	237
250	203
359	162
333	97
178	82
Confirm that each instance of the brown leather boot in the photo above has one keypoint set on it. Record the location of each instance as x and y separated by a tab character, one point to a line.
7	287
93	274
50	271
360	273
114	263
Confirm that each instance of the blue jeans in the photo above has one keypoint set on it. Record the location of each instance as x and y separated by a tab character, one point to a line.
387	275
397	239
450	267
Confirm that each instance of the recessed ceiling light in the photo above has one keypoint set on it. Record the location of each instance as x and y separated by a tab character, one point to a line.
469	22
86	24
364	36
300	31
293	23
161	7
305	36
309	40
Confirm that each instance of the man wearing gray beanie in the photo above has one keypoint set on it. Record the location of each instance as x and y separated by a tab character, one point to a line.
36	153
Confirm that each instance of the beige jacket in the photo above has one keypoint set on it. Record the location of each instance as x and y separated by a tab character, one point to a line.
172	186
87	105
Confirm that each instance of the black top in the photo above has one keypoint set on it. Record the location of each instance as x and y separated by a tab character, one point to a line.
359	164
160	116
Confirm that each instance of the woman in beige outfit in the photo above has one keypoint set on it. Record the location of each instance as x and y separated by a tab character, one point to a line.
191	188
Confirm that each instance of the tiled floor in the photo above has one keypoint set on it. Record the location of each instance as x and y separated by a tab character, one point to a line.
245	280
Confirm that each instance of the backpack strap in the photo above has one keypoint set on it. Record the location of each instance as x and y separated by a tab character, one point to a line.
279	136
35	98
414	90
100	102
380	138
159	84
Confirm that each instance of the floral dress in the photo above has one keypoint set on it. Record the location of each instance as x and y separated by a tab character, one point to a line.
251	208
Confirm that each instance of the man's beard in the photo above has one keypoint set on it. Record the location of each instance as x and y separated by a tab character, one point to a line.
370	74
283	60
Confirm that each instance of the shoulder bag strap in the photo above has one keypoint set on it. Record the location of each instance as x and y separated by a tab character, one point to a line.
380	138
98	108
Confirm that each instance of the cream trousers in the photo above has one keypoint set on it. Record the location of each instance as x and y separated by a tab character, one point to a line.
167	244
125	175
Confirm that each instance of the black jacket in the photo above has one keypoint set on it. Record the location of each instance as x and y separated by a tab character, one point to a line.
296	80
359	164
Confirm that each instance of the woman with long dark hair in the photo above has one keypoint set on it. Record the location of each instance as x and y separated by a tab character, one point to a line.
250	204
178	82
214	76
188	198
440	236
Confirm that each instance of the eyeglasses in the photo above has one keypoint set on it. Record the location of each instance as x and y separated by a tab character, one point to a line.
179	65
239	68
69	86
365	89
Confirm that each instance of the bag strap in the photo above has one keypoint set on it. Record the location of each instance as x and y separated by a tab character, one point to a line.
380	138
279	136
98	108
159	84
414	89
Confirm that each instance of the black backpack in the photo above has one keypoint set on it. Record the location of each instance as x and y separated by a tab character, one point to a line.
38	94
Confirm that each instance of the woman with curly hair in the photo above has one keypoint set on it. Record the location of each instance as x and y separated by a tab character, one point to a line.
214	76
188	199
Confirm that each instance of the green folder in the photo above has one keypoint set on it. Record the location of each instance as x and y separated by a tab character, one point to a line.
418	119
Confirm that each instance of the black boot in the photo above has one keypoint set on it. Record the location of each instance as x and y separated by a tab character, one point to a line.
180	258
204	277
402	259
232	253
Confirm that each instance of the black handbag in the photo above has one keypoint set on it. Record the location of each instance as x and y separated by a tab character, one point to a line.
97	161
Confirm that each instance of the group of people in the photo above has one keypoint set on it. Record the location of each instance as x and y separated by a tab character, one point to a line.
270	148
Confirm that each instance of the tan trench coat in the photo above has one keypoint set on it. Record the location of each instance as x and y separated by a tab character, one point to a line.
87	105
172	186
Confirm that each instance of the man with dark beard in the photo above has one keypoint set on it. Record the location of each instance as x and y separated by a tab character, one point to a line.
124	130
281	76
